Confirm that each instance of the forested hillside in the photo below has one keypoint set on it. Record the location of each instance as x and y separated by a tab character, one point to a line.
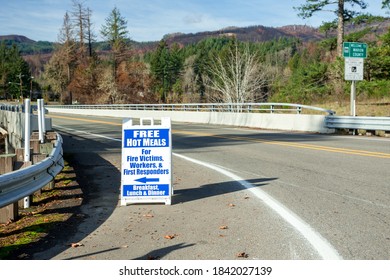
297	64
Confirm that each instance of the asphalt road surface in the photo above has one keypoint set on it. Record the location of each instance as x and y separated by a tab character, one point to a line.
238	192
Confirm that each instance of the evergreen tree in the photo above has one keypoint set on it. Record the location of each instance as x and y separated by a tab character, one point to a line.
386	4
159	67
115	32
313	6
15	75
3	69
378	61
175	67
166	65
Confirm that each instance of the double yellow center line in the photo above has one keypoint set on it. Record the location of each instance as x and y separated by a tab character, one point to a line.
256	140
290	144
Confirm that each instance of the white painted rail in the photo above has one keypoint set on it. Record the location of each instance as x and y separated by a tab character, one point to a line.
205	107
278	116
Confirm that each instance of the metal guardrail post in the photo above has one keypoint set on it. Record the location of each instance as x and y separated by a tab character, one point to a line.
43	116
27	135
27	130
40	124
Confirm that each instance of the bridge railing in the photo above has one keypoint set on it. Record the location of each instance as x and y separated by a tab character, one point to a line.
331	120
206	107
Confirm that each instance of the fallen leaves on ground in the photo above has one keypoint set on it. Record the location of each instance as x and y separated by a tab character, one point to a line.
170	236
223	227
242	255
75	245
148	215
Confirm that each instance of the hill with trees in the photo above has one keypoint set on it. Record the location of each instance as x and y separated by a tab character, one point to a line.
259	33
298	64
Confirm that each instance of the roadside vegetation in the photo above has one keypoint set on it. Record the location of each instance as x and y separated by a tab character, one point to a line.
51	211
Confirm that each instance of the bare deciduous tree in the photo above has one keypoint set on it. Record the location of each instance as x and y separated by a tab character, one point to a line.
109	89
239	78
91	37
59	69
79	18
66	39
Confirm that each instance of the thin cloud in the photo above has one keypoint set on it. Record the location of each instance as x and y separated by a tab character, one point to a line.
193	19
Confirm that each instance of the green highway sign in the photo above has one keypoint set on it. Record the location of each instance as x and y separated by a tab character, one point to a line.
354	49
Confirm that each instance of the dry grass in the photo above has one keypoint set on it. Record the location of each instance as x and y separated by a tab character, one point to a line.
375	108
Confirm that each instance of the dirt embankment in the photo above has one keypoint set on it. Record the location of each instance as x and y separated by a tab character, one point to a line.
54	214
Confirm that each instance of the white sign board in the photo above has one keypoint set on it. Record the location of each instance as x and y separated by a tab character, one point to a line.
354	69
146	162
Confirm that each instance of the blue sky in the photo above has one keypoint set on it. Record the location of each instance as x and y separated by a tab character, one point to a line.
150	20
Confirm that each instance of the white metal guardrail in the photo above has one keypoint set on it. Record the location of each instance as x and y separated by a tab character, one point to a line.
331	120
204	107
281	116
21	183
366	123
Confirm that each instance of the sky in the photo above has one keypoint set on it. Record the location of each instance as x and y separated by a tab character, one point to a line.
150	20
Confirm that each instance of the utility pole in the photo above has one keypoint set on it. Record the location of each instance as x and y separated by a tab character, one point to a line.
31	82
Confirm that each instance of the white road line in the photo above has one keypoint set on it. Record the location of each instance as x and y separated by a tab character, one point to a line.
313	188
318	242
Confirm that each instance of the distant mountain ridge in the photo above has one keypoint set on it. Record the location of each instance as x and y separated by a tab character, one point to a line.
258	33
16	38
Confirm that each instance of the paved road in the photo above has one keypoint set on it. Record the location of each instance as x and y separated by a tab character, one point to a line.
268	194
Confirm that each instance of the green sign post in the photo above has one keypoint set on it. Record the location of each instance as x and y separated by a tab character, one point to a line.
354	54
356	50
